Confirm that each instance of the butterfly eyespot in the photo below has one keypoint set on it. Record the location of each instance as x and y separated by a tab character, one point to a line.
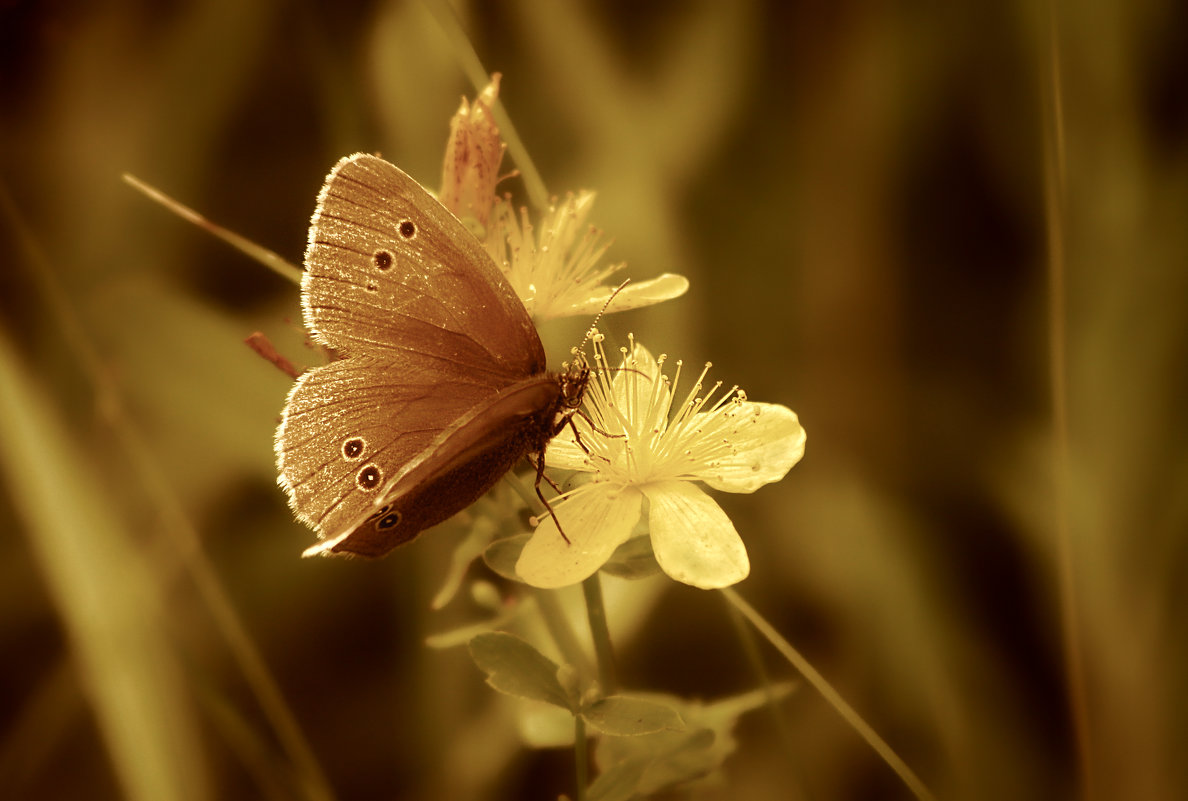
368	477
383	259
353	448
389	521
408	229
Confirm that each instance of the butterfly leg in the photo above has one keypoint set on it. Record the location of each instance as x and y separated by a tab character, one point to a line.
586	417
551	483
577	435
540	475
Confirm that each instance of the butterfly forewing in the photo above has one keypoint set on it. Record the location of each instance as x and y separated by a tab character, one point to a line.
389	269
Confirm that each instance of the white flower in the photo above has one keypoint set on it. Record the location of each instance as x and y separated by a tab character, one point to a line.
639	448
557	274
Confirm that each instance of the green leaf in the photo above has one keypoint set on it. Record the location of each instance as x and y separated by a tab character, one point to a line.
681	758
656	762
108	592
619	783
633	559
672	759
626	716
516	668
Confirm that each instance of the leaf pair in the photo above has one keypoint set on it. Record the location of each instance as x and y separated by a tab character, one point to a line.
635	767
515	667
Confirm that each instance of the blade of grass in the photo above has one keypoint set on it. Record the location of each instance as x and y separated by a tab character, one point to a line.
179	533
469	60
1054	202
106	595
49	713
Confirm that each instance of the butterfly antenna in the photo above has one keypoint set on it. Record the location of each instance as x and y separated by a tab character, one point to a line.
594	325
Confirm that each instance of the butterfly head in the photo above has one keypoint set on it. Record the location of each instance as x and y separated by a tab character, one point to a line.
574	379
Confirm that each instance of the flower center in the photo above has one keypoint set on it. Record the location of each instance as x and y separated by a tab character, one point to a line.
648	439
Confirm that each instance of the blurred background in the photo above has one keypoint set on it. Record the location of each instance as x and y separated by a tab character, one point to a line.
872	202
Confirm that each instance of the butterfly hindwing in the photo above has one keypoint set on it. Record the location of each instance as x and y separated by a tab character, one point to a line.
352	415
452	471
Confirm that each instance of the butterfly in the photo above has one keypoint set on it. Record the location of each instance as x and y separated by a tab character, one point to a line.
442	384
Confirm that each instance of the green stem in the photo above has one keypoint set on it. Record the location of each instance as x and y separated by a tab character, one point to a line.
596	614
831	696
520	486
581	766
561	632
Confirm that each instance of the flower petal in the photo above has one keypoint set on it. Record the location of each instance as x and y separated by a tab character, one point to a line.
597	519
633	296
693	539
641	392
767	440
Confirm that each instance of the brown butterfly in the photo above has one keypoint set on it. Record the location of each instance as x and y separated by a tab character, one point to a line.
442	387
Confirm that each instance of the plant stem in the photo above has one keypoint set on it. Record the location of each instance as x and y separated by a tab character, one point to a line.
831	696
596	613
527	495
561	632
581	767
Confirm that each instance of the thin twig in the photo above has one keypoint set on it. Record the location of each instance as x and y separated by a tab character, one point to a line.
755	659
263	255
831	696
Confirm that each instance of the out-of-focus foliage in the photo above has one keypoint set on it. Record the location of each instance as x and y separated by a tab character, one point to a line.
857	194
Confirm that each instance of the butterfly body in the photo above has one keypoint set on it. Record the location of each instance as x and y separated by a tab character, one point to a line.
442	386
